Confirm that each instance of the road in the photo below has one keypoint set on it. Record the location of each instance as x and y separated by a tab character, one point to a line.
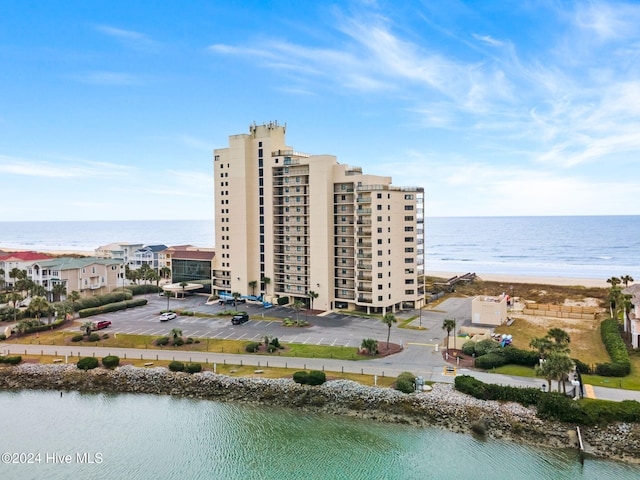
419	355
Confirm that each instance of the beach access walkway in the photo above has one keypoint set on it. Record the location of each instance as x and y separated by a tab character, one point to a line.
380	367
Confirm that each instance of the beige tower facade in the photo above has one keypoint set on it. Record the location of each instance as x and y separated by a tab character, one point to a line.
292	223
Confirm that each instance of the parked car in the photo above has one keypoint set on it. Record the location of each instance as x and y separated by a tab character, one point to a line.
167	316
102	324
240	318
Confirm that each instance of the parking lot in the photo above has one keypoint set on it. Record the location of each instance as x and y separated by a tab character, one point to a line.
333	329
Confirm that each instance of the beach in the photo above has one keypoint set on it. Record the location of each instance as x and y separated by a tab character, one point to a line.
546	280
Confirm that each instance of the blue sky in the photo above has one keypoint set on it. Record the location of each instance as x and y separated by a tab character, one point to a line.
111	109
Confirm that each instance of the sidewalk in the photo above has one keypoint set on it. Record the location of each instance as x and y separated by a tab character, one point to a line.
381	367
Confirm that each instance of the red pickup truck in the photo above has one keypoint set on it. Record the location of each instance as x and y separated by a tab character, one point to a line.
101	325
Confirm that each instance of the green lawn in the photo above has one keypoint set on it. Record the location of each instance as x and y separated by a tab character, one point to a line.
517	370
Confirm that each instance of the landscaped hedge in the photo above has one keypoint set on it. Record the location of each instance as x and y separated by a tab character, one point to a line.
252	347
110	361
406	382
490	360
14	360
111	307
488	391
554	405
143	289
99	300
620	365
314	377
516	356
283	300
44	328
176	366
193	368
87	363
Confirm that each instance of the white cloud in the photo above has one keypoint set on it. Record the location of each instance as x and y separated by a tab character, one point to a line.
108	78
129	38
60	169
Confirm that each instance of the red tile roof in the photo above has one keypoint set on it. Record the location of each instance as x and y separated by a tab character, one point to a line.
24	257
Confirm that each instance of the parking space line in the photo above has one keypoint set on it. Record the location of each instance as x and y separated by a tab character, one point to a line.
334	342
305	342
228	336
241	336
320	341
255	323
193	334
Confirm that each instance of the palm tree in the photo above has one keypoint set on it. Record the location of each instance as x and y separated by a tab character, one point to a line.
183	285
448	324
626	279
58	290
312	296
266	281
542	345
560	337
555	367
370	345
165	272
613	281
38	306
16	274
144	271
38	290
87	327
15	297
74	296
389	319
2	280
154	277
236	296
297	306
176	333
252	285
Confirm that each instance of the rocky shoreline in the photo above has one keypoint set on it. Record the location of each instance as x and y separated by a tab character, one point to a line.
442	407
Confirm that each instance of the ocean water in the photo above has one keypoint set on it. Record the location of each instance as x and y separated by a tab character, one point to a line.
578	247
92	436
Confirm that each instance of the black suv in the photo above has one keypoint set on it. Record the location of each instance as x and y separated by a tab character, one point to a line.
240	318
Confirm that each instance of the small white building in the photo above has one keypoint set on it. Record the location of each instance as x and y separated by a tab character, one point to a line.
486	310
632	324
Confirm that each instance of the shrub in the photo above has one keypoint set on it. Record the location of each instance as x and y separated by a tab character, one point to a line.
276	343
178	342
316	377
486	346
94	337
189	341
582	367
111	307
15	360
490	360
110	361
193	368
300	377
176	366
87	363
469	348
406	382
271	348
252	347
620	365
404	386
516	356
162	341
77	338
3	337
283	300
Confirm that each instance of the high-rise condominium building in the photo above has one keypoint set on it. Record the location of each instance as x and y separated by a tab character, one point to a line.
289	224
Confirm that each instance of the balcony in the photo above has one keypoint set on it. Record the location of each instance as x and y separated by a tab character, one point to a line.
363	288
364	221
365	300
363	244
364	200
364	255
363	211
364	277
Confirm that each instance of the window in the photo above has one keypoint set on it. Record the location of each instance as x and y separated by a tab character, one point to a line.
380	264
380	275
379	287
408	239
408	229
379	229
409	281
408	292
408	218
408	207
379	253
379	219
378	195
379	298
378	207
408	249
408	260
379	241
